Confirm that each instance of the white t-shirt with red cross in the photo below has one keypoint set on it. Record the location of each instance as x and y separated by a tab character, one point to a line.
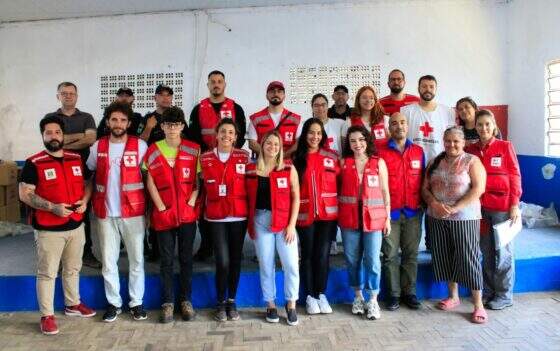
426	128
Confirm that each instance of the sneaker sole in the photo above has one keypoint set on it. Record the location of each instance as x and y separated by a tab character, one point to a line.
499	308
140	318
188	319
78	314
293	324
109	320
358	313
273	320
49	333
217	319
233	319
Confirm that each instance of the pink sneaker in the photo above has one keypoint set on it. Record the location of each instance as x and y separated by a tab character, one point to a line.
80	310
48	325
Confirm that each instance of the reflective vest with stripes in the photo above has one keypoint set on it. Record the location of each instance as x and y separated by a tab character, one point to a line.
174	185
224	184
318	189
503	177
58	182
280	201
405	175
133	203
378	132
287	127
208	119
373	211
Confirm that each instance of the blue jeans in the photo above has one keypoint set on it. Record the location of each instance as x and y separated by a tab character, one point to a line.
362	251
266	244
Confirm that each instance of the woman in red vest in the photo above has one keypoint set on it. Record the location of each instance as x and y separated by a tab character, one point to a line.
500	202
273	189
223	177
369	113
171	182
363	215
318	169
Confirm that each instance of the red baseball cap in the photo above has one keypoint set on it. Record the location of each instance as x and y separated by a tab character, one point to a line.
275	85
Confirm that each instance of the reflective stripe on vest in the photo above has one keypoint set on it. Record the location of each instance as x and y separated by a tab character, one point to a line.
133	186
188	150
153	157
259	119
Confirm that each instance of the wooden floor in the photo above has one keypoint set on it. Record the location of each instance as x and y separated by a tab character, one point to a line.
533	323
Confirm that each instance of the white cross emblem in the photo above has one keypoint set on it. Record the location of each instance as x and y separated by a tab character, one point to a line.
129	160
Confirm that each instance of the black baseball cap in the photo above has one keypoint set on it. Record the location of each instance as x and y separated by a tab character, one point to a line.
126	91
340	87
161	88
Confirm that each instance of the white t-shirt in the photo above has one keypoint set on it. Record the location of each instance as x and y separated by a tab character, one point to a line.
116	150
426	128
333	127
252	132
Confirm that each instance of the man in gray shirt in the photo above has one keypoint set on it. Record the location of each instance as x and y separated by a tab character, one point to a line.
79	134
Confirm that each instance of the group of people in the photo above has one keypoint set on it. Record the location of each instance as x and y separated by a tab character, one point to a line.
374	171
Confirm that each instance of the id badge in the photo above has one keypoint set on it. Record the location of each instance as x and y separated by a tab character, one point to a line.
222	190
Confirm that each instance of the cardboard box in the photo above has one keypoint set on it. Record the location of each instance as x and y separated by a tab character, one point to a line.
13	213
2	196
11	196
3	213
8	172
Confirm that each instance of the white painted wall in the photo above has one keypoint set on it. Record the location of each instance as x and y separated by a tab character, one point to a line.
463	43
533	33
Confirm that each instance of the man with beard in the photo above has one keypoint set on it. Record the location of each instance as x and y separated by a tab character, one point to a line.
119	205
80	134
125	95
405	166
275	117
393	102
203	120
52	183
152	132
427	120
340	109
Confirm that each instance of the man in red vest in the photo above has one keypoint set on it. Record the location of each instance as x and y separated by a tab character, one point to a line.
52	183
275	116
202	130
119	205
393	102
405	165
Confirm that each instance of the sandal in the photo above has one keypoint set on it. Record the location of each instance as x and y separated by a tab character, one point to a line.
448	304
479	316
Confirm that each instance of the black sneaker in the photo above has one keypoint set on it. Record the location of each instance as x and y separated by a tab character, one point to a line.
291	316
272	315
138	313
231	311
392	303
111	314
411	301
220	315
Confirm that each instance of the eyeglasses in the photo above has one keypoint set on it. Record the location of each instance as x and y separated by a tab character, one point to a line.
64	93
320	105
173	125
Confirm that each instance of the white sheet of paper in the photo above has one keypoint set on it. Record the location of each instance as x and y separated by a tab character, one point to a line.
505	232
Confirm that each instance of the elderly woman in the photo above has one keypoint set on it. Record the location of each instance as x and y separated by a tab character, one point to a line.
500	202
454	182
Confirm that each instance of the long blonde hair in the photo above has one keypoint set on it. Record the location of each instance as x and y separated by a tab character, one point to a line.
279	161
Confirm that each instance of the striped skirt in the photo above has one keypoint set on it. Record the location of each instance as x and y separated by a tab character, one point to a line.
456	251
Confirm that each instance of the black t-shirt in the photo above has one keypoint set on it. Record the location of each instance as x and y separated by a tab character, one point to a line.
136	126
29	176
333	114
471	136
79	122
157	133
195	130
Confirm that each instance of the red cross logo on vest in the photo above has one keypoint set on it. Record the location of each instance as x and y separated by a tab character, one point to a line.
426	129
129	160
379	133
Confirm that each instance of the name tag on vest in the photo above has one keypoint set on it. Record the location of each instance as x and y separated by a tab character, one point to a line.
372	180
222	190
327	162
496	162
415	164
282	183
225	114
186	172
77	171
240	168
50	174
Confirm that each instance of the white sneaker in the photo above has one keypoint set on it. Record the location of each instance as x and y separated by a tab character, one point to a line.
373	310
312	305
358	306
324	304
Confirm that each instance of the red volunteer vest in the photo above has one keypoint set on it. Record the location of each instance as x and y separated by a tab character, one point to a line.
405	175
391	106
377	131
224	184
503	177
287	126
280	192
175	185
208	119
373	209
58	182
318	188
132	187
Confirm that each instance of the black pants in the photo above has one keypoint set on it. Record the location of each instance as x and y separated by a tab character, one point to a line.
315	241
228	240
185	236
206	242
